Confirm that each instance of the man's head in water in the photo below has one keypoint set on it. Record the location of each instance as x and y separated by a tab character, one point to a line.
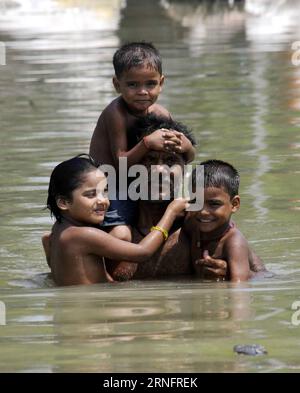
165	169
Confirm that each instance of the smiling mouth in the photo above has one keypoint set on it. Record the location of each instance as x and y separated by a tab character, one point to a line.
100	211
205	221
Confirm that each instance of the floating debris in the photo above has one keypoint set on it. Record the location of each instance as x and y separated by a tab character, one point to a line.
250	349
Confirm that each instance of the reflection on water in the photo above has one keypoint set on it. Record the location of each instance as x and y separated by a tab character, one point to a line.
282	18
259	144
229	76
59	16
104	329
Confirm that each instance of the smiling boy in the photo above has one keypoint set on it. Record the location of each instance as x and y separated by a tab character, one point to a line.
213	236
138	80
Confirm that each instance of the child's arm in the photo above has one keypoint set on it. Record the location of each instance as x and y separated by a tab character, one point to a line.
46	238
114	119
103	244
159	140
213	268
256	264
185	147
237	256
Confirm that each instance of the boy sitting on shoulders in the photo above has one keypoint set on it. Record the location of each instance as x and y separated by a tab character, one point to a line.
138	80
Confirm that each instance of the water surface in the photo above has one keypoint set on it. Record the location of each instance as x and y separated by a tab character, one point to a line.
229	76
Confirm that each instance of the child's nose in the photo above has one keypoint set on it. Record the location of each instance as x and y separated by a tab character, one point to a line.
101	198
204	211
143	90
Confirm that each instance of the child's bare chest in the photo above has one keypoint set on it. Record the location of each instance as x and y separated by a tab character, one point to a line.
214	248
170	260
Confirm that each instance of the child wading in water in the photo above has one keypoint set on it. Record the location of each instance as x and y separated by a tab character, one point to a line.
138	80
76	248
214	237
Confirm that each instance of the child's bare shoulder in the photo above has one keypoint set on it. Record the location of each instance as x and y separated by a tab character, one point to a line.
114	107
235	239
78	235
116	113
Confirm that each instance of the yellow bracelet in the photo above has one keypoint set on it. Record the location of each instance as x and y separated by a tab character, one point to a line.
162	230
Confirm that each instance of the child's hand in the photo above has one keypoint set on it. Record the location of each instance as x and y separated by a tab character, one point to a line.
185	144
212	268
178	206
163	140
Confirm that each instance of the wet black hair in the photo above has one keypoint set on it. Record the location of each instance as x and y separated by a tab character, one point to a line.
220	174
135	54
148	124
65	178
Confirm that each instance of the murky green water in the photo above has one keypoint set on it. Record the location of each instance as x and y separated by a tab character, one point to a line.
229	77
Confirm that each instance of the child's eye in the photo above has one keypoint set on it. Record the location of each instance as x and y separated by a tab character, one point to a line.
90	194
132	84
215	204
151	83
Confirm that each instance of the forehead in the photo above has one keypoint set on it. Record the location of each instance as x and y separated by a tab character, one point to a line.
140	72
160	157
94	178
216	193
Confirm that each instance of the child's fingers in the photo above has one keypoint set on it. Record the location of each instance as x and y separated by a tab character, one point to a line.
170	142
171	131
175	141
177	133
171	146
171	135
179	205
215	263
200	261
177	149
216	272
185	201
208	263
166	133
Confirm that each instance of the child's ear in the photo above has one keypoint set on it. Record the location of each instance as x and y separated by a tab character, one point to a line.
162	80
62	203
236	203
116	84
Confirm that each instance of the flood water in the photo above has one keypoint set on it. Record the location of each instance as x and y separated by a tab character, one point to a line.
229	76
